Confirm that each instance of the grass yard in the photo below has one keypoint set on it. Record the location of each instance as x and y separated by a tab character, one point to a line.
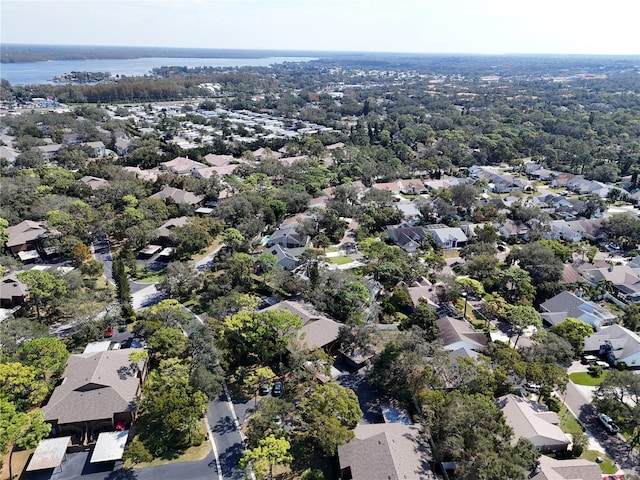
568	422
340	260
189	455
583	378
606	466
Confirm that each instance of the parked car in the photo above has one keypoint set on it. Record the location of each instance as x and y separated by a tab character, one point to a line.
589	360
264	388
602	364
277	389
608	423
109	331
532	387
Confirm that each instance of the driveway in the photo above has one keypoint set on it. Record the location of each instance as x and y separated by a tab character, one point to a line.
368	397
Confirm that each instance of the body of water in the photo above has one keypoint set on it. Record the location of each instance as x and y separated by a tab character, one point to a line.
44	72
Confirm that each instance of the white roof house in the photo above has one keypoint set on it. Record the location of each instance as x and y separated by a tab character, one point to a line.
533	421
619	344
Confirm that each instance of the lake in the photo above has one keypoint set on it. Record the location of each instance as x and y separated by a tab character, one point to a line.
44	72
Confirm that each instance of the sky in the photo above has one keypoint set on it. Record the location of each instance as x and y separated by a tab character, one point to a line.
413	26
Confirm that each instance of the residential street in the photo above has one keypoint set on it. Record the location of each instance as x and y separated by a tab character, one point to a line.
614	445
227	438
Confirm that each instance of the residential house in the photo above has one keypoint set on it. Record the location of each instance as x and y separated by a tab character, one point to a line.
617	344
181	197
12	291
623	278
218	160
543	174
569	469
122	145
95	183
207	172
99	392
447	237
411	187
389	451
535	422
460	338
50	151
165	231
181	165
150	175
287	258
26	236
509	228
9	153
392	187
561	180
409	238
71	138
318	330
423	291
569	305
288	236
96	149
560	229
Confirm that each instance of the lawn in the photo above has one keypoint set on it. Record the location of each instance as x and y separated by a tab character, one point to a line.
583	378
340	260
606	466
568	422
189	455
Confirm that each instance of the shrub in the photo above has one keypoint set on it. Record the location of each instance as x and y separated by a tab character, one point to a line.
136	452
595	371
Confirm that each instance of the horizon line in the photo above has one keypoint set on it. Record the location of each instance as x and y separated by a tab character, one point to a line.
343	52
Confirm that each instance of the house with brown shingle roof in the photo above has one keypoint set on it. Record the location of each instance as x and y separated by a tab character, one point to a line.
181	197
389	451
98	391
570	469
12	291
318	331
26	235
95	183
535	422
166	230
218	160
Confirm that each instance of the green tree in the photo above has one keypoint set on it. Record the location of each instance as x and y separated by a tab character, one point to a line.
329	414
267	419
574	331
168	343
180	280
136	452
523	317
171	409
206	373
43	287
233	239
514	284
539	260
4	223
24	430
22	385
49	355
424	317
265	334
270	451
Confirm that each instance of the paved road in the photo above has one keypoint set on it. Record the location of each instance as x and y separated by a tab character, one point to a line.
226	436
615	446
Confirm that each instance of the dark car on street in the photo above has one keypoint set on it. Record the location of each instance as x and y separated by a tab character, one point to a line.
277	389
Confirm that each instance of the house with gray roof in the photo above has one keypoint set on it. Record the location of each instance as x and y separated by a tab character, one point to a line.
408	238
617	343
460	338
166	230
569	469
95	183
288	236
389	451
98	391
567	304
287	258
535	422
447	237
